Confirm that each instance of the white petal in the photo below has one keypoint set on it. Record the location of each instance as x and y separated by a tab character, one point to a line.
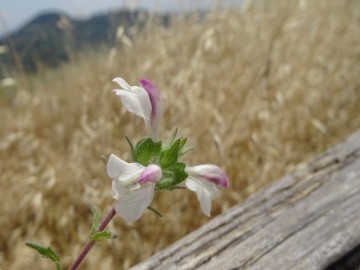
136	101
205	192
205	168
130	206
122	83
114	191
114	166
122	170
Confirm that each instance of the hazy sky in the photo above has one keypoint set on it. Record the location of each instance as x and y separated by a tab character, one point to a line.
14	13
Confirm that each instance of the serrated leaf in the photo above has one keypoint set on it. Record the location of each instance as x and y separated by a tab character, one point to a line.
185	150
166	180
178	170
46	252
172	176
103	235
147	151
182	142
182	148
170	156
171	139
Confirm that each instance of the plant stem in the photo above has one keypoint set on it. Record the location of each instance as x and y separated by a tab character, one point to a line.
90	243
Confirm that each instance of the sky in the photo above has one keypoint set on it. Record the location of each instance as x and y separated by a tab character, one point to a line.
15	13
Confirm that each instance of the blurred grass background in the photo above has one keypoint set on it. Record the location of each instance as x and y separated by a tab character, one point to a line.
256	91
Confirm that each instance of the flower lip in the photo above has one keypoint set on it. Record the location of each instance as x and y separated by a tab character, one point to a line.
151	174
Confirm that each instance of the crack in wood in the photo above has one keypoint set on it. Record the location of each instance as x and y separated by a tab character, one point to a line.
272	248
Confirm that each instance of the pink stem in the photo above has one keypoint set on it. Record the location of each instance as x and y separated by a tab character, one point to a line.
90	243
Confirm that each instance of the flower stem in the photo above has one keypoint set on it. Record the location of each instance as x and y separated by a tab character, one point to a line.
90	243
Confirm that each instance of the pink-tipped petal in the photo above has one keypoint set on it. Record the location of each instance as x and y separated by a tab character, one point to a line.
135	99
204	180
151	174
156	106
154	95
210	173
218	179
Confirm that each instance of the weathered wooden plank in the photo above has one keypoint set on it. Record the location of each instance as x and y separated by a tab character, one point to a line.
309	219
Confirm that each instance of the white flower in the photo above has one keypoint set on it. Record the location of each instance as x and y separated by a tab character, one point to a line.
132	187
143	101
204	180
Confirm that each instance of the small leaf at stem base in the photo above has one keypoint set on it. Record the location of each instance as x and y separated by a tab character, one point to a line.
46	252
103	235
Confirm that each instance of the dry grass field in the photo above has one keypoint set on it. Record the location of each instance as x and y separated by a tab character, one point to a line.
256	91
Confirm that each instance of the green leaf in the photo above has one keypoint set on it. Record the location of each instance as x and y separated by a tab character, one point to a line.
104	159
147	151
170	156
172	176
182	148
131	148
103	235
166	180
171	139
46	252
178	170
185	150
94	234
182	142
154	210
95	221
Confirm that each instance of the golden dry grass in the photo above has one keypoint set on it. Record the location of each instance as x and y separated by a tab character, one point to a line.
257	91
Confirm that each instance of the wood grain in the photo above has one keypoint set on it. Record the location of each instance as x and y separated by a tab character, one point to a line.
309	219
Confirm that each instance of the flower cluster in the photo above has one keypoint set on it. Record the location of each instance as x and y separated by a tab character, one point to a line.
155	164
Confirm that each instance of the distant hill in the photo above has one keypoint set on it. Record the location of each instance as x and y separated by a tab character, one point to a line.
48	39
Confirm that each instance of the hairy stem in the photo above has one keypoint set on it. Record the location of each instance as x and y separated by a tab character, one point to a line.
85	250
